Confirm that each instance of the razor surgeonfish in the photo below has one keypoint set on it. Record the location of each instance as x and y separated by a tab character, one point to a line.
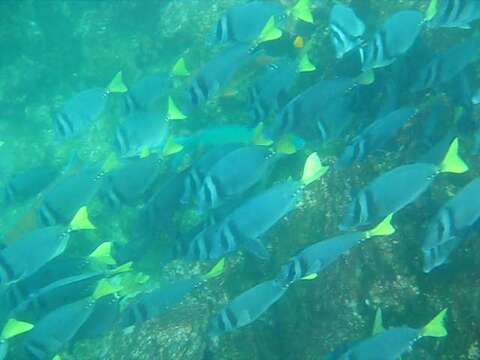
452	13
244	23
218	72
394	39
150	305
392	343
315	258
375	136
450	226
143	95
346	29
245	226
11	329
395	189
30	183
247	307
444	67
80	112
28	254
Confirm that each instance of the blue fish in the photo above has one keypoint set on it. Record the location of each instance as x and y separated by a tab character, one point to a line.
394	39
395	189
315	258
444	67
246	308
81	111
452	13
375	136
394	342
450	226
245	226
346	29
144	94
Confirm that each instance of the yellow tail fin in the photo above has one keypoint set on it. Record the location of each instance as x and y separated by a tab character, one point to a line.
103	254
302	11
13	328
313	169
436	327
117	85
127	267
383	229
259	138
110	163
174	112
310	276
217	270
378	323
106	287
305	65
171	147
431	10
270	32
452	161
286	145
366	77
81	221
180	68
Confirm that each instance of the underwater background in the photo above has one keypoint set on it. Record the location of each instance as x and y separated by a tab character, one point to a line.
50	50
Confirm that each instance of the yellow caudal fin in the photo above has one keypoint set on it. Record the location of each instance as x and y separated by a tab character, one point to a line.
117	85
110	163
13	328
302	11
144	152
124	268
310	276
270	32
217	270
431	10
385	228
103	254
452	161
57	357
313	169
436	327
378	323
305	65
286	145
174	112
81	221
366	77
259	137
171	147
2	143
180	68
106	287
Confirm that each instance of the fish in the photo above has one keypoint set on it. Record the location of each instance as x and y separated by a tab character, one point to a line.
452	13
375	136
153	304
132	182
445	66
245	226
395	38
476	97
395	189
217	136
243	23
11	329
222	182
80	112
394	342
450	225
145	93
316	100
28	254
60	202
28	184
312	260
217	73
346	29
47	338
246	307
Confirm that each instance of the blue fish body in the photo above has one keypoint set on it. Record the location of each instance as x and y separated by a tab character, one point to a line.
317	257
139	132
244	23
103	318
455	14
143	95
375	135
346	29
246	307
80	112
447	229
387	194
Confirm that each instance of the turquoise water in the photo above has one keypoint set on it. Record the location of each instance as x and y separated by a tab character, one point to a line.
52	51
